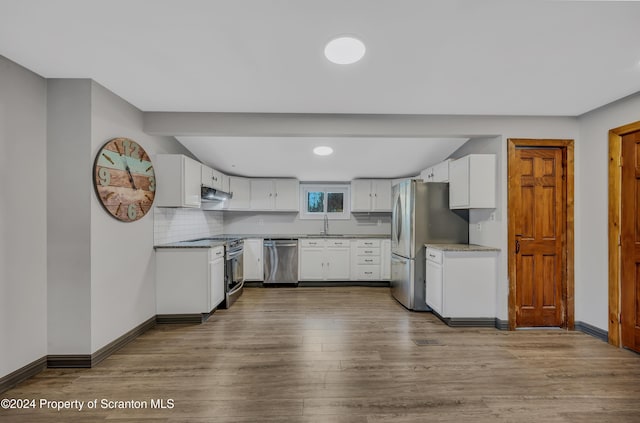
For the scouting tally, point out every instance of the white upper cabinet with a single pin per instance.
(472, 182)
(436, 173)
(427, 174)
(441, 172)
(178, 180)
(371, 195)
(274, 194)
(240, 190)
(212, 178)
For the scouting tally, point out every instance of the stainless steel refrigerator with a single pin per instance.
(420, 215)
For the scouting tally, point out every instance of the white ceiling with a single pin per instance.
(293, 157)
(529, 57)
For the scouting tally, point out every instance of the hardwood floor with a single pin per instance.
(345, 355)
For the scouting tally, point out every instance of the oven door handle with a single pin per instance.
(234, 254)
(236, 289)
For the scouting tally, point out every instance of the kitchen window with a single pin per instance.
(320, 199)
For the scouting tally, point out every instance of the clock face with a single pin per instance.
(124, 179)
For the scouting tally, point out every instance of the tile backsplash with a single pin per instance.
(175, 224)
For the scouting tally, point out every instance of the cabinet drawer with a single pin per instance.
(306, 242)
(434, 255)
(368, 243)
(338, 242)
(368, 272)
(369, 251)
(368, 259)
(216, 252)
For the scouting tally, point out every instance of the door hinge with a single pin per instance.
(619, 240)
(621, 161)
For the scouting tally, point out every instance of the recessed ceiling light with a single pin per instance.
(323, 150)
(344, 50)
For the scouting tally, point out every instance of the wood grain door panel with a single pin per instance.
(539, 215)
(630, 242)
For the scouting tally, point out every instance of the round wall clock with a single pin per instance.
(124, 179)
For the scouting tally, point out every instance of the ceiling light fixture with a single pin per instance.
(344, 50)
(323, 150)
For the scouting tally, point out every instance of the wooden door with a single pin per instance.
(538, 209)
(630, 242)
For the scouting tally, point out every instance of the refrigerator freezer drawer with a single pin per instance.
(402, 280)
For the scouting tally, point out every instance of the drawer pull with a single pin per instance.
(369, 261)
(368, 273)
(432, 256)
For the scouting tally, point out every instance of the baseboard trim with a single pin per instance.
(14, 378)
(470, 322)
(123, 340)
(502, 324)
(467, 322)
(172, 319)
(66, 361)
(601, 334)
(319, 284)
(86, 361)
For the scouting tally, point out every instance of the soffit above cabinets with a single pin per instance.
(353, 157)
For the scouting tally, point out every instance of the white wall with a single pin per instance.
(592, 208)
(177, 224)
(101, 273)
(23, 217)
(122, 255)
(290, 223)
(68, 216)
(489, 226)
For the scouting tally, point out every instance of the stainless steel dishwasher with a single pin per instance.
(280, 261)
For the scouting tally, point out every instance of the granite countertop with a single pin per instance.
(461, 247)
(206, 243)
(298, 236)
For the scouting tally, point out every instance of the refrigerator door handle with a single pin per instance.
(398, 222)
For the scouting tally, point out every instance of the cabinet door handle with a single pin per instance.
(517, 246)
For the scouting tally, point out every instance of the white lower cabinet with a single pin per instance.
(324, 259)
(366, 259)
(461, 284)
(253, 264)
(342, 259)
(385, 260)
(189, 280)
(216, 277)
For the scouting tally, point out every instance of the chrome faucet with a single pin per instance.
(326, 225)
